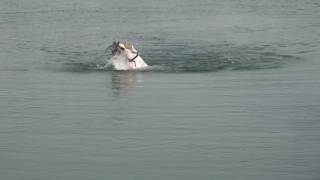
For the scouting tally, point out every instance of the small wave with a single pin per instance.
(12, 68)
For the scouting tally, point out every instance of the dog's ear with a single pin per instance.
(133, 49)
(128, 45)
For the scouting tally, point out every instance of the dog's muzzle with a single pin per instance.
(113, 48)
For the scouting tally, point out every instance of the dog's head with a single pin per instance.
(126, 49)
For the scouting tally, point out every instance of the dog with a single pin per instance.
(126, 57)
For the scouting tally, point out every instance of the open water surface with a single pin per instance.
(233, 92)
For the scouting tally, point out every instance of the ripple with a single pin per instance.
(175, 58)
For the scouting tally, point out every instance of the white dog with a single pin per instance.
(126, 57)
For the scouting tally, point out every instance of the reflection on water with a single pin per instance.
(124, 88)
(125, 81)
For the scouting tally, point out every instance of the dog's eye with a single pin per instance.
(121, 48)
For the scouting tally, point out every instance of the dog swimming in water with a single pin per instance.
(126, 57)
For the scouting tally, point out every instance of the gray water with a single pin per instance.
(234, 92)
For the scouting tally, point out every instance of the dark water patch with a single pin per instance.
(193, 58)
(12, 68)
(66, 59)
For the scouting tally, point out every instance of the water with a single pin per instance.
(234, 92)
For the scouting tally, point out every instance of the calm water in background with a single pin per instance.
(235, 92)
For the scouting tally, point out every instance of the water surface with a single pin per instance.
(234, 92)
